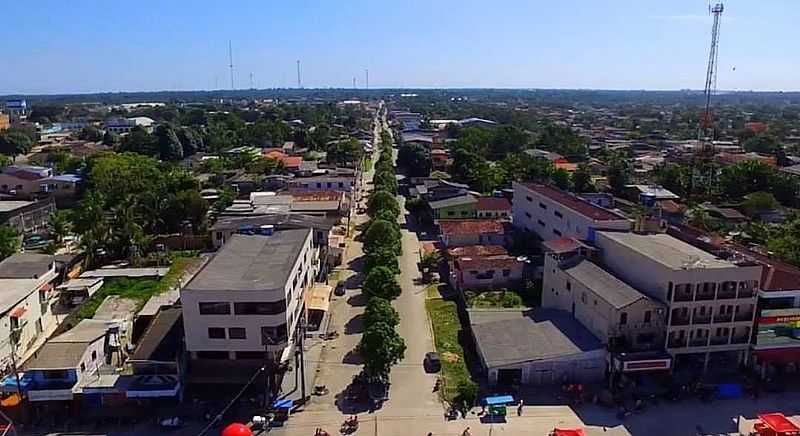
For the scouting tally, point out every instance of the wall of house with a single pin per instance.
(321, 183)
(455, 212)
(551, 220)
(587, 367)
(486, 213)
(292, 294)
(37, 323)
(481, 279)
(32, 218)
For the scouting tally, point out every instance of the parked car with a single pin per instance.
(432, 362)
(339, 290)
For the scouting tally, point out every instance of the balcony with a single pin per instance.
(723, 317)
(744, 316)
(746, 293)
(701, 319)
(726, 294)
(679, 320)
(704, 295)
(683, 296)
(676, 343)
(719, 340)
(740, 339)
(698, 342)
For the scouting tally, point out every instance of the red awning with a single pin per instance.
(778, 355)
(778, 423)
(18, 312)
(569, 432)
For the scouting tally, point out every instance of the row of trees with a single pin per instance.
(381, 345)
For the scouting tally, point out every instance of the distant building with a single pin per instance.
(125, 125)
(5, 121)
(552, 213)
(27, 216)
(457, 233)
(26, 181)
(461, 207)
(493, 207)
(16, 107)
(484, 267)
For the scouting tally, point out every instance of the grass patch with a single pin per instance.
(508, 299)
(367, 167)
(140, 290)
(446, 325)
(432, 291)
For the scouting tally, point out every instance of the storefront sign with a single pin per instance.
(778, 328)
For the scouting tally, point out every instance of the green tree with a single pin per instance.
(618, 173)
(110, 139)
(582, 179)
(786, 243)
(59, 226)
(385, 257)
(415, 158)
(759, 202)
(15, 142)
(169, 146)
(10, 241)
(382, 201)
(561, 179)
(140, 141)
(743, 178)
(381, 348)
(382, 235)
(348, 151)
(380, 310)
(90, 133)
(763, 143)
(381, 282)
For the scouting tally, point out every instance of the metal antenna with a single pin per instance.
(367, 74)
(230, 58)
(299, 83)
(354, 82)
(251, 82)
(707, 122)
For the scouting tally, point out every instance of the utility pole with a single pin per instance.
(299, 83)
(230, 59)
(302, 334)
(707, 121)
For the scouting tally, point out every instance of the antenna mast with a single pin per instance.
(230, 58)
(367, 74)
(299, 84)
(707, 119)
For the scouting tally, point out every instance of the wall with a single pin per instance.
(492, 213)
(466, 280)
(31, 218)
(38, 323)
(460, 211)
(528, 214)
(322, 183)
(587, 367)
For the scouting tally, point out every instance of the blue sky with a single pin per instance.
(54, 46)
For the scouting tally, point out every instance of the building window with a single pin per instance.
(527, 197)
(464, 212)
(215, 355)
(556, 232)
(215, 308)
(506, 272)
(528, 214)
(219, 235)
(94, 355)
(319, 185)
(541, 223)
(450, 213)
(569, 287)
(543, 206)
(647, 315)
(83, 367)
(260, 308)
(583, 298)
(558, 214)
(273, 335)
(341, 184)
(216, 333)
(623, 318)
(237, 333)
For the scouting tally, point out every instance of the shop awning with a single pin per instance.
(319, 298)
(779, 424)
(569, 432)
(18, 312)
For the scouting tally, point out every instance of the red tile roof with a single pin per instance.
(493, 203)
(562, 245)
(317, 196)
(497, 262)
(470, 227)
(477, 250)
(570, 201)
(292, 161)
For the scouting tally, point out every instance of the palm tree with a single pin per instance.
(59, 226)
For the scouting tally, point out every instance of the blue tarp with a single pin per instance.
(499, 400)
(283, 404)
(729, 390)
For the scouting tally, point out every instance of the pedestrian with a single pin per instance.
(466, 432)
(519, 408)
(430, 433)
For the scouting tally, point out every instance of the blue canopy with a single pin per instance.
(283, 404)
(499, 400)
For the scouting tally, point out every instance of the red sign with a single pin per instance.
(778, 319)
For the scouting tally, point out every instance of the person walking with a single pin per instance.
(466, 432)
(519, 408)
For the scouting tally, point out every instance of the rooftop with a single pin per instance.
(667, 250)
(574, 203)
(486, 262)
(611, 289)
(161, 341)
(562, 245)
(453, 201)
(26, 266)
(477, 250)
(283, 220)
(657, 191)
(12, 205)
(65, 351)
(251, 263)
(15, 290)
(470, 227)
(506, 337)
(493, 203)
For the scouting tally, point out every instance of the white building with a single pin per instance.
(249, 297)
(125, 125)
(552, 213)
(711, 302)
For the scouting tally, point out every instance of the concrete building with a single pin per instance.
(457, 233)
(461, 207)
(483, 267)
(493, 207)
(552, 213)
(537, 346)
(619, 315)
(249, 298)
(334, 180)
(125, 125)
(27, 216)
(711, 302)
(27, 181)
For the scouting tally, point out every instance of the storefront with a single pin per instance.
(776, 351)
